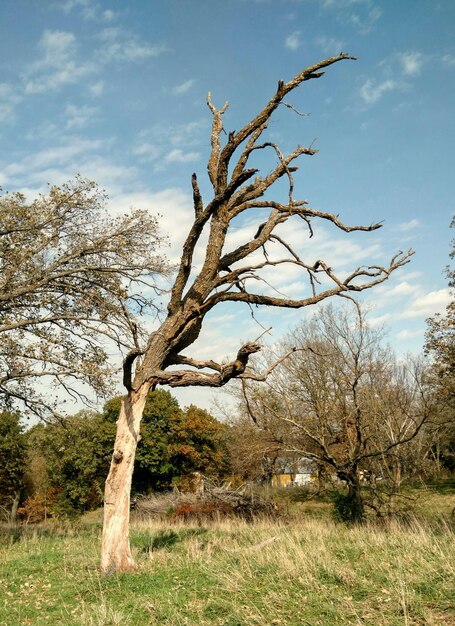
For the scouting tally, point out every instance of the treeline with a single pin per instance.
(341, 408)
(58, 469)
(344, 408)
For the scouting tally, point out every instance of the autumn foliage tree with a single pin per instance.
(228, 274)
(73, 281)
(67, 461)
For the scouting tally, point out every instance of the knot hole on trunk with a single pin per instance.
(117, 456)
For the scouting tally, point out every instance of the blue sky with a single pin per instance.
(116, 91)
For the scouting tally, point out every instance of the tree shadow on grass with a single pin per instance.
(166, 539)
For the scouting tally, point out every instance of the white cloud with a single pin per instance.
(89, 9)
(336, 4)
(174, 207)
(68, 5)
(410, 334)
(411, 225)
(6, 112)
(293, 41)
(402, 289)
(106, 173)
(58, 65)
(33, 166)
(79, 117)
(428, 304)
(62, 64)
(146, 151)
(363, 14)
(56, 45)
(109, 15)
(411, 63)
(379, 320)
(119, 45)
(9, 98)
(365, 22)
(330, 45)
(449, 60)
(174, 143)
(179, 156)
(96, 89)
(371, 92)
(183, 87)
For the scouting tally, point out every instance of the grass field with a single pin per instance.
(308, 572)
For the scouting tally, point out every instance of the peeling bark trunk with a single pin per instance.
(116, 552)
(234, 192)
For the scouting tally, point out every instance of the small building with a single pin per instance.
(292, 473)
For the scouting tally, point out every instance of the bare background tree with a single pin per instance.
(226, 275)
(72, 283)
(440, 346)
(343, 401)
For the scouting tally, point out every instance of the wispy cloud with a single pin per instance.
(428, 304)
(362, 14)
(109, 15)
(365, 22)
(411, 225)
(405, 288)
(147, 151)
(293, 41)
(79, 117)
(184, 87)
(89, 9)
(170, 143)
(120, 45)
(96, 89)
(180, 156)
(61, 62)
(449, 60)
(58, 64)
(68, 5)
(33, 165)
(371, 91)
(411, 63)
(410, 334)
(9, 98)
(330, 45)
(174, 207)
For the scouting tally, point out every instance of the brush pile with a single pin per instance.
(214, 501)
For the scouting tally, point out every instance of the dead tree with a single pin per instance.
(225, 276)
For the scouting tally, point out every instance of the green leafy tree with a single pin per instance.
(13, 464)
(174, 442)
(76, 454)
(152, 469)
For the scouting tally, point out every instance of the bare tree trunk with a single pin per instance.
(356, 500)
(13, 513)
(355, 511)
(225, 275)
(396, 486)
(116, 551)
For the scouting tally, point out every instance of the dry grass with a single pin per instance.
(237, 574)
